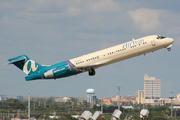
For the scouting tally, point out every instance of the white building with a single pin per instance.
(152, 90)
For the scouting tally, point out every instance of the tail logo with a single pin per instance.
(33, 67)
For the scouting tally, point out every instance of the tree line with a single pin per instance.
(42, 108)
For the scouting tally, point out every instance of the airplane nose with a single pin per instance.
(171, 40)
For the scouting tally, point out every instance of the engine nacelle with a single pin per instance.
(49, 74)
(57, 72)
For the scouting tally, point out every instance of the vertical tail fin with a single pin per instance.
(25, 64)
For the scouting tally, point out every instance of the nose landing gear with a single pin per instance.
(169, 49)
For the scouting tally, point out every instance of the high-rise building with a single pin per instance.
(152, 89)
(140, 97)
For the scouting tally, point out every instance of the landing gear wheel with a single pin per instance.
(92, 72)
(169, 49)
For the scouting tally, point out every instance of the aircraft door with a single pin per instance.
(153, 42)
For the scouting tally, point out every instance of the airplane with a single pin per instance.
(92, 61)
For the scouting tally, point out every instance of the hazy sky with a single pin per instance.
(51, 31)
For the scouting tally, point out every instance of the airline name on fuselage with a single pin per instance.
(59, 70)
(133, 43)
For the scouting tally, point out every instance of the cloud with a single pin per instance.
(5, 18)
(146, 20)
(38, 16)
(73, 11)
(71, 8)
(106, 6)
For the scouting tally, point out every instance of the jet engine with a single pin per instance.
(57, 72)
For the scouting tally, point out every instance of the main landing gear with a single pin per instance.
(169, 49)
(92, 72)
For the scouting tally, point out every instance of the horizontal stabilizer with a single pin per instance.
(16, 59)
(21, 60)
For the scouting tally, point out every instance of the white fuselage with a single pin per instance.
(123, 51)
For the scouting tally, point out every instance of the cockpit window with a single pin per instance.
(160, 37)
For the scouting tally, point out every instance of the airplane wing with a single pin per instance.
(88, 67)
